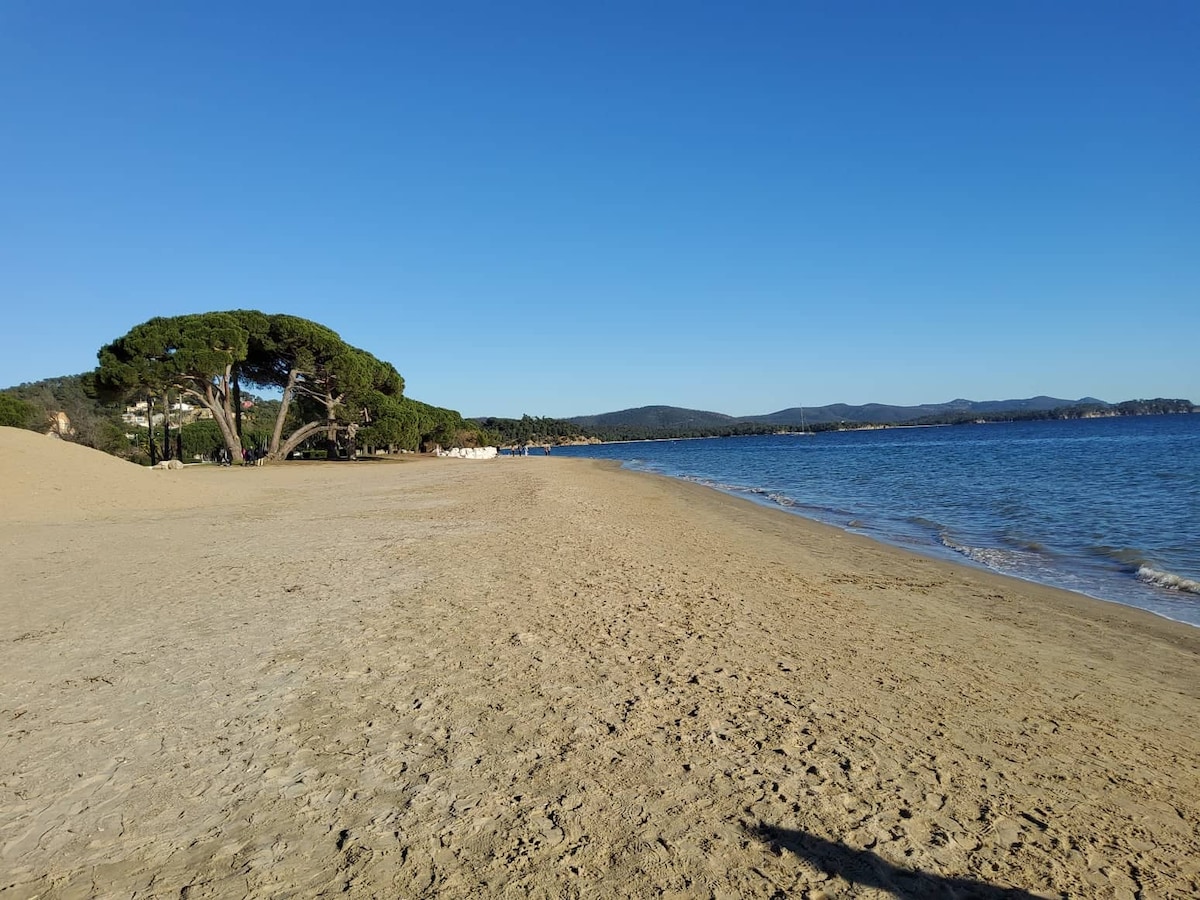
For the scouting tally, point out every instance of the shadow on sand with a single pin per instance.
(871, 870)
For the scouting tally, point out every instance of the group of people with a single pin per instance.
(523, 450)
(250, 457)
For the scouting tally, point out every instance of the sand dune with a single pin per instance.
(551, 678)
(46, 479)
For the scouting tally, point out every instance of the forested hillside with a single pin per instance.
(670, 421)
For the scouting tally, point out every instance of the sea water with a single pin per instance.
(1105, 507)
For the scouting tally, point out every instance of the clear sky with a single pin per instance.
(571, 208)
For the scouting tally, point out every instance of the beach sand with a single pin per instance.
(545, 677)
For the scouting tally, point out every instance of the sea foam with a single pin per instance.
(1167, 580)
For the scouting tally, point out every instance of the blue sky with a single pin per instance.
(565, 209)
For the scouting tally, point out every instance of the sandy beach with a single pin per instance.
(544, 677)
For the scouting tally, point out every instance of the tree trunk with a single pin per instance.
(166, 424)
(277, 435)
(217, 401)
(150, 427)
(298, 437)
(237, 404)
(331, 451)
(331, 428)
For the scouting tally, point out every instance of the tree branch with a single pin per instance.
(298, 437)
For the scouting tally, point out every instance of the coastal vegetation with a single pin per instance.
(333, 398)
(671, 422)
(63, 406)
(536, 430)
(17, 413)
(665, 422)
(329, 387)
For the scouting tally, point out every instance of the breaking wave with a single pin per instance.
(1167, 580)
(992, 557)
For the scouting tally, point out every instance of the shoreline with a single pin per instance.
(1056, 552)
(449, 678)
(1112, 611)
(950, 556)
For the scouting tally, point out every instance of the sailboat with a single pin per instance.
(804, 430)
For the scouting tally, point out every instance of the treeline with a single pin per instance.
(739, 429)
(1156, 407)
(335, 398)
(63, 406)
(538, 430)
(1077, 411)
(534, 430)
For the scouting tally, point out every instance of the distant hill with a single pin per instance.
(661, 422)
(656, 417)
(880, 414)
(868, 414)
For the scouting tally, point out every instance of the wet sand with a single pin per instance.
(551, 678)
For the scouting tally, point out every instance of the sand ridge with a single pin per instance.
(44, 479)
(547, 677)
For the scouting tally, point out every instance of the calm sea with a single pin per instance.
(1104, 507)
